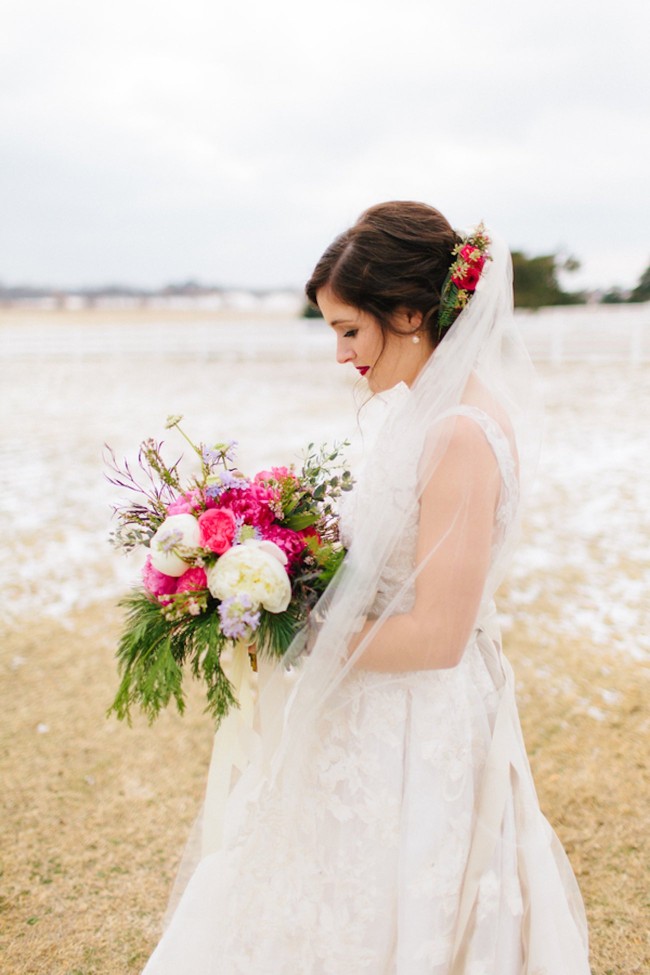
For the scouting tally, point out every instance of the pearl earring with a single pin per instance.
(415, 340)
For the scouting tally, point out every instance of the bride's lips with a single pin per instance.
(362, 369)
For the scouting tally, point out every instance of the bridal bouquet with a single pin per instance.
(231, 559)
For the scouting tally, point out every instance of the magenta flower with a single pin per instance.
(252, 505)
(292, 543)
(192, 580)
(217, 527)
(189, 503)
(157, 583)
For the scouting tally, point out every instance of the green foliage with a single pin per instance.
(642, 290)
(536, 283)
(615, 296)
(277, 630)
(328, 558)
(324, 469)
(451, 307)
(151, 655)
(470, 255)
(163, 638)
(311, 311)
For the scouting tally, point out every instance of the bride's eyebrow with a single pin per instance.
(343, 321)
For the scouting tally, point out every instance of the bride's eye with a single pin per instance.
(351, 334)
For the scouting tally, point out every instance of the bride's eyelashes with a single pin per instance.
(351, 334)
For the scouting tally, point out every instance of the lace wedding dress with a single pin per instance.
(414, 843)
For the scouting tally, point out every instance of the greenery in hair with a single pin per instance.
(470, 254)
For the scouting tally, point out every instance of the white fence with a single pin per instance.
(588, 332)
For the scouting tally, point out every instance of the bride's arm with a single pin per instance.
(453, 555)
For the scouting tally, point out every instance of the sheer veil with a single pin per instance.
(481, 361)
(480, 369)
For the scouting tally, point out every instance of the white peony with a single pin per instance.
(177, 531)
(255, 568)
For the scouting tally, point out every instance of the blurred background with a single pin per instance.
(170, 175)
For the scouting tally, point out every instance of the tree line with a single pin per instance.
(536, 283)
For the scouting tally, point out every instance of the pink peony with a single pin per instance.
(189, 503)
(262, 477)
(180, 507)
(290, 542)
(217, 527)
(275, 474)
(157, 583)
(251, 505)
(265, 493)
(193, 580)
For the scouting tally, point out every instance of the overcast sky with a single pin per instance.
(145, 142)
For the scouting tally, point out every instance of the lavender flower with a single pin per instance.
(170, 540)
(239, 617)
(224, 481)
(228, 450)
(221, 453)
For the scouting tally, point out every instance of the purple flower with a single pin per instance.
(227, 482)
(230, 450)
(220, 453)
(169, 541)
(239, 617)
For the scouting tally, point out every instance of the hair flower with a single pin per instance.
(463, 277)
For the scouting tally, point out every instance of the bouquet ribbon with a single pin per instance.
(232, 746)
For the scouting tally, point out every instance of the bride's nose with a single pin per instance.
(344, 351)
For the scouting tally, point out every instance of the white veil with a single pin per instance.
(480, 364)
(483, 345)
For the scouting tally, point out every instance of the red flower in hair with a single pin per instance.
(466, 275)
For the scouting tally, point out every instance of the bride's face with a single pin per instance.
(384, 358)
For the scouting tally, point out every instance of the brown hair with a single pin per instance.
(395, 257)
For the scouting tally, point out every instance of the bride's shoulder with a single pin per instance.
(463, 442)
(467, 444)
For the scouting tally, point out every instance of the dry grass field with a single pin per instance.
(94, 815)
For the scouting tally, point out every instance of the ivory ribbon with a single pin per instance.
(496, 783)
(232, 746)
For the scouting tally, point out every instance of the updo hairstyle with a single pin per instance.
(395, 258)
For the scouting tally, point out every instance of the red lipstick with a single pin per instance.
(362, 369)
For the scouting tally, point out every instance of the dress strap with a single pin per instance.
(503, 452)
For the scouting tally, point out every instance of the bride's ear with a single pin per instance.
(414, 319)
(407, 320)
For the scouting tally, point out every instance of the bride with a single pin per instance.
(383, 819)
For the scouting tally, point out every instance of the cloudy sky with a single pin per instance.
(146, 142)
